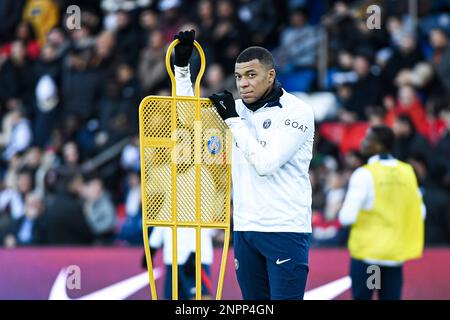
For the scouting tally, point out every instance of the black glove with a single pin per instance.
(183, 50)
(224, 103)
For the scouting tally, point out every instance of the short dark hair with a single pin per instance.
(385, 136)
(260, 53)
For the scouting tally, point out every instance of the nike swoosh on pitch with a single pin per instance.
(330, 290)
(116, 291)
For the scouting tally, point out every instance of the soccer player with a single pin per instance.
(273, 135)
(385, 210)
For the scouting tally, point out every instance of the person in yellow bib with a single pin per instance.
(384, 207)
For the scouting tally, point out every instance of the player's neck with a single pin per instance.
(271, 97)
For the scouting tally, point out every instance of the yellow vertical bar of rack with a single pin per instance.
(173, 170)
(223, 263)
(148, 257)
(149, 264)
(198, 233)
(198, 168)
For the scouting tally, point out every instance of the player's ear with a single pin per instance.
(272, 75)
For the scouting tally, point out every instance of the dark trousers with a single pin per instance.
(391, 281)
(271, 265)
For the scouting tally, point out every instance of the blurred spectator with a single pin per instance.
(81, 85)
(130, 157)
(404, 57)
(64, 222)
(70, 157)
(420, 76)
(48, 161)
(436, 125)
(32, 160)
(259, 18)
(436, 199)
(318, 195)
(364, 93)
(81, 38)
(343, 73)
(441, 56)
(376, 115)
(352, 161)
(10, 14)
(152, 67)
(441, 154)
(122, 117)
(149, 22)
(99, 210)
(114, 5)
(24, 33)
(12, 199)
(17, 77)
(27, 229)
(229, 35)
(104, 57)
(408, 103)
(409, 143)
(205, 20)
(11, 171)
(48, 64)
(47, 101)
(326, 204)
(334, 196)
(171, 18)
(398, 28)
(57, 39)
(298, 43)
(21, 136)
(127, 38)
(131, 230)
(323, 148)
(7, 123)
(215, 80)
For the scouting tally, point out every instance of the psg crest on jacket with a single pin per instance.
(214, 145)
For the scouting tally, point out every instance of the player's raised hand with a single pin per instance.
(183, 50)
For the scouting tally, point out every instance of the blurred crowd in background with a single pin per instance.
(69, 97)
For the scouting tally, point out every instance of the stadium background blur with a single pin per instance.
(69, 168)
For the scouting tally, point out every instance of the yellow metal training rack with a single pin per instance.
(185, 171)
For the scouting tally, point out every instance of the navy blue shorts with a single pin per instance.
(271, 265)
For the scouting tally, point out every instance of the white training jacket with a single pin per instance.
(272, 150)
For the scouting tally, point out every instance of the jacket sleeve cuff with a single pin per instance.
(182, 72)
(234, 122)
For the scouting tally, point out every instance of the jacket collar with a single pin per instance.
(272, 99)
